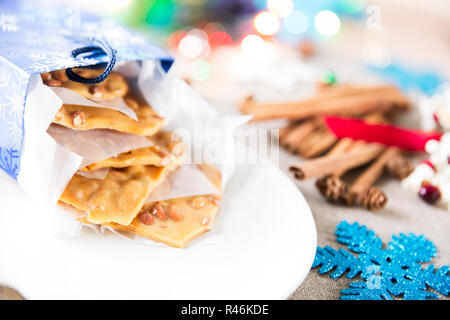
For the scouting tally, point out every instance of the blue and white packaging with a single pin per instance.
(38, 37)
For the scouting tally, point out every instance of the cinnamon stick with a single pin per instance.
(300, 146)
(348, 144)
(399, 167)
(327, 165)
(283, 132)
(349, 102)
(332, 187)
(300, 132)
(296, 147)
(374, 199)
(322, 143)
(343, 145)
(362, 191)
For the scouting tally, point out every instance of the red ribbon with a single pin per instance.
(411, 140)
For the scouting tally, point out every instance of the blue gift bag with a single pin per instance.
(37, 38)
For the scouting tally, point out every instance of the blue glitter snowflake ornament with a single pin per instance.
(394, 271)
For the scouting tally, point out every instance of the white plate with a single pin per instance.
(262, 247)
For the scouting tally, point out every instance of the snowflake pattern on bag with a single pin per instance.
(394, 271)
(13, 82)
(37, 37)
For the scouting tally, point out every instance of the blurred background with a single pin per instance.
(404, 41)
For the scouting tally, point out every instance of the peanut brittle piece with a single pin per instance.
(166, 150)
(118, 197)
(177, 221)
(152, 155)
(88, 118)
(113, 87)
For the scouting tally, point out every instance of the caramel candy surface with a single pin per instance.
(149, 122)
(180, 222)
(113, 87)
(165, 152)
(117, 198)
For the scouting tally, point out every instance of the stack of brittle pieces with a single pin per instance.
(120, 199)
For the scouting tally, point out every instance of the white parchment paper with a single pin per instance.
(46, 167)
(50, 160)
(185, 181)
(71, 97)
(191, 117)
(96, 145)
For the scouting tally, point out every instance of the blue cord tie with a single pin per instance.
(101, 47)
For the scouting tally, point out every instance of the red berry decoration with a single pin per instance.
(429, 193)
(436, 118)
(429, 163)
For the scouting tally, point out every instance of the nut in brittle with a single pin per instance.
(78, 119)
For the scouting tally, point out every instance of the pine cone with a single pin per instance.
(374, 199)
(331, 187)
(399, 167)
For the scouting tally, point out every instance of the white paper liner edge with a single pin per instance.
(71, 97)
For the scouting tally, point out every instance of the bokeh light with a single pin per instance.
(266, 23)
(200, 70)
(351, 6)
(280, 8)
(199, 33)
(120, 4)
(175, 38)
(252, 45)
(297, 22)
(376, 55)
(220, 38)
(212, 27)
(329, 77)
(327, 23)
(192, 46)
(161, 13)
